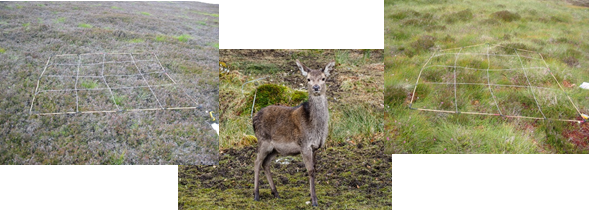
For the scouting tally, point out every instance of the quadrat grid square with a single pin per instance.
(106, 82)
(492, 80)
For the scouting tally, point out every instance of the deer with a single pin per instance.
(290, 131)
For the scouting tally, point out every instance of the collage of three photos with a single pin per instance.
(145, 83)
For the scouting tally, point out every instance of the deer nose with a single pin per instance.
(316, 87)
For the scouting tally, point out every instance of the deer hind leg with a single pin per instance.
(309, 159)
(263, 151)
(266, 166)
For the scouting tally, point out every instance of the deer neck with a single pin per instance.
(318, 110)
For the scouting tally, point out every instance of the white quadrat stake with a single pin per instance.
(110, 89)
(488, 83)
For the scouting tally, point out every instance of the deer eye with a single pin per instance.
(323, 79)
(309, 80)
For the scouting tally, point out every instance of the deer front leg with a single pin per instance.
(309, 160)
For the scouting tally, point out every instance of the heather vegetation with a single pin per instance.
(32, 32)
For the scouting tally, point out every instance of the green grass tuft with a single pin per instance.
(84, 25)
(115, 7)
(355, 121)
(160, 38)
(137, 40)
(145, 13)
(395, 95)
(184, 37)
(60, 20)
(118, 99)
(2, 50)
(89, 84)
(207, 14)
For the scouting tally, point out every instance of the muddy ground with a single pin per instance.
(352, 170)
(348, 177)
(184, 36)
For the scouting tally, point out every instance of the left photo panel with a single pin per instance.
(112, 83)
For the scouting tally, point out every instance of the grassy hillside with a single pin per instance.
(414, 30)
(183, 35)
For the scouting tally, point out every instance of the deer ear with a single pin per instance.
(303, 68)
(328, 68)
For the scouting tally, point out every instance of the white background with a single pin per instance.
(302, 24)
(88, 187)
(494, 182)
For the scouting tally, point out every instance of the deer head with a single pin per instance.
(316, 78)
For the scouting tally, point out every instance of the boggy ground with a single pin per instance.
(414, 30)
(352, 170)
(348, 177)
(183, 35)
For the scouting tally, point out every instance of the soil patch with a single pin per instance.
(362, 170)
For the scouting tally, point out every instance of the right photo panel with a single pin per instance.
(489, 77)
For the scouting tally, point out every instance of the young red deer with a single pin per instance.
(292, 130)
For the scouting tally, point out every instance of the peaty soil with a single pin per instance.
(348, 176)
